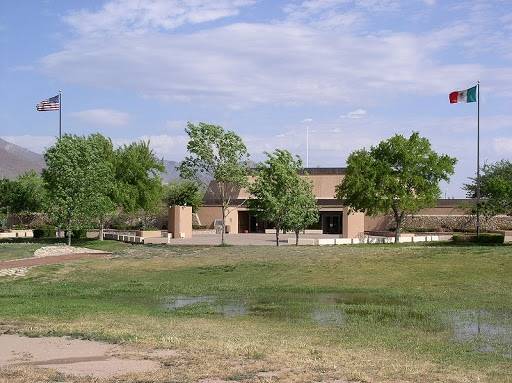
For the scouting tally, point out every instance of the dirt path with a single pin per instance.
(50, 260)
(77, 357)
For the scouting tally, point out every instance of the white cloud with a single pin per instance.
(102, 117)
(121, 16)
(307, 120)
(503, 145)
(242, 64)
(358, 113)
(176, 124)
(339, 15)
(169, 147)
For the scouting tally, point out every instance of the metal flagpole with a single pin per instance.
(307, 146)
(60, 114)
(478, 162)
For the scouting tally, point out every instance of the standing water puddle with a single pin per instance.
(181, 301)
(489, 332)
(328, 316)
(233, 309)
(230, 308)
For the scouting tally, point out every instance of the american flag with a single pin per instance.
(53, 103)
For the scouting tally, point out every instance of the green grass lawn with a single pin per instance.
(24, 247)
(369, 313)
(17, 250)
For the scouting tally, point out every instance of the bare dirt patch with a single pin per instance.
(75, 357)
(50, 260)
(48, 255)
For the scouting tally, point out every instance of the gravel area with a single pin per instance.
(47, 255)
(14, 272)
(51, 251)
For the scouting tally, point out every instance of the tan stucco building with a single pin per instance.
(334, 217)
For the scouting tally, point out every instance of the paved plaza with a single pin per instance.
(257, 239)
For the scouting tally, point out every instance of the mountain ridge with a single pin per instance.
(16, 160)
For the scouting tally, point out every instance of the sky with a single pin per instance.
(352, 72)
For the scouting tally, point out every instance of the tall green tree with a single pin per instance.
(302, 208)
(105, 204)
(275, 188)
(78, 180)
(24, 194)
(138, 185)
(184, 193)
(399, 176)
(495, 189)
(220, 155)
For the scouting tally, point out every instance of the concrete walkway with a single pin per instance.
(257, 239)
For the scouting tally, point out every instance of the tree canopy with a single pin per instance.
(184, 193)
(277, 188)
(24, 194)
(79, 180)
(220, 155)
(399, 176)
(303, 209)
(138, 185)
(495, 188)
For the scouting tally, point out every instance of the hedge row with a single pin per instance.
(484, 238)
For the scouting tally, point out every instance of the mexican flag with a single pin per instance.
(468, 95)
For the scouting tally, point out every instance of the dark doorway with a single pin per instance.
(331, 223)
(243, 221)
(256, 225)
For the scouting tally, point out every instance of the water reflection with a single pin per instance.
(181, 301)
(328, 316)
(230, 308)
(490, 332)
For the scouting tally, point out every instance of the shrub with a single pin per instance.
(79, 234)
(484, 238)
(44, 232)
(411, 229)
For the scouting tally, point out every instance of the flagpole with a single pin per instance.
(307, 146)
(60, 114)
(478, 162)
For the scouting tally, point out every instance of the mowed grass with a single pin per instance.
(18, 248)
(368, 313)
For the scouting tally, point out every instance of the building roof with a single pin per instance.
(324, 171)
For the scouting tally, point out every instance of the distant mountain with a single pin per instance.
(15, 160)
(170, 174)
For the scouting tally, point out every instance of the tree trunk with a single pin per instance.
(102, 226)
(397, 233)
(296, 237)
(223, 224)
(277, 235)
(398, 221)
(69, 233)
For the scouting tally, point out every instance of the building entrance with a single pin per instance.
(331, 223)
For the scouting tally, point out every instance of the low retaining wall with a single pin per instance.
(17, 234)
(440, 223)
(367, 239)
(132, 237)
